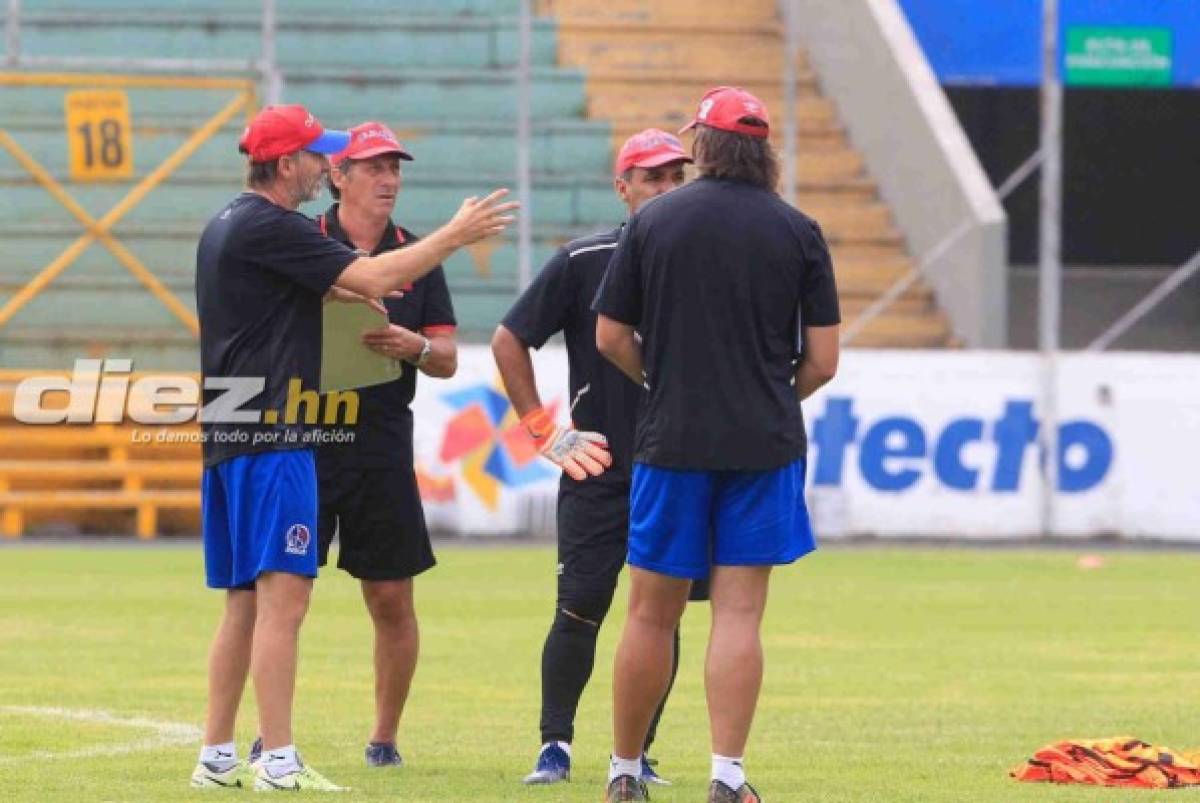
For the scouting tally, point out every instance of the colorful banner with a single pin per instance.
(902, 443)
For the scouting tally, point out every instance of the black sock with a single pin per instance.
(567, 661)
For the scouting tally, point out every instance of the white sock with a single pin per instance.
(728, 771)
(618, 766)
(281, 760)
(222, 756)
(564, 746)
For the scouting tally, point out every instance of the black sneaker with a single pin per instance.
(383, 754)
(626, 787)
(718, 792)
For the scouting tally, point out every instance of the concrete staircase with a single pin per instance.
(647, 62)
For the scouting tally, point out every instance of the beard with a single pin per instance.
(306, 188)
(311, 190)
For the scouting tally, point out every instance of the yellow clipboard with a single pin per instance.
(345, 362)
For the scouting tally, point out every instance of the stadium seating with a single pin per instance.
(440, 73)
(95, 475)
(648, 61)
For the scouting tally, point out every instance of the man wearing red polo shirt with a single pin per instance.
(262, 270)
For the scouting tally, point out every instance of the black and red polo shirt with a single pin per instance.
(383, 435)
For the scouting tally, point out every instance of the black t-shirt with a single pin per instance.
(560, 300)
(719, 277)
(261, 271)
(383, 433)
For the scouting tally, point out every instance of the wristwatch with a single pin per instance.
(426, 350)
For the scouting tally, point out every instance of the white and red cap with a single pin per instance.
(650, 148)
(731, 108)
(279, 130)
(371, 139)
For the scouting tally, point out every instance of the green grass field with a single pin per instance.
(892, 675)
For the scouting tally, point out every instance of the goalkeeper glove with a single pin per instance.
(579, 454)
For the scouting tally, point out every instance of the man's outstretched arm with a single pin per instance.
(476, 219)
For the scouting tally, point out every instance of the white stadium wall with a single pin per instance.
(902, 444)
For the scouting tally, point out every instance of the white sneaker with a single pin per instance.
(208, 776)
(299, 779)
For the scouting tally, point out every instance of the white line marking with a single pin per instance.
(166, 734)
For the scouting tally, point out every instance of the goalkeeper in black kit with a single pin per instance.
(593, 511)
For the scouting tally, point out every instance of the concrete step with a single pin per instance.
(868, 274)
(623, 46)
(671, 91)
(896, 330)
(630, 108)
(812, 131)
(382, 40)
(917, 304)
(744, 13)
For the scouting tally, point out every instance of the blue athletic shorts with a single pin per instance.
(259, 514)
(682, 522)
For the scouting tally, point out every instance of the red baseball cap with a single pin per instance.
(279, 130)
(726, 107)
(650, 148)
(371, 139)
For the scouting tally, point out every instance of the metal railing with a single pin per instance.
(524, 80)
(789, 14)
(100, 230)
(266, 71)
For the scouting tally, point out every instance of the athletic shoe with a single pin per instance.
(255, 751)
(303, 778)
(649, 775)
(719, 792)
(626, 788)
(383, 754)
(553, 765)
(210, 776)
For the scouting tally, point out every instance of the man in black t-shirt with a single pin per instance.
(720, 298)
(368, 485)
(262, 270)
(593, 515)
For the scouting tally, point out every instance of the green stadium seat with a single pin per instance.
(438, 71)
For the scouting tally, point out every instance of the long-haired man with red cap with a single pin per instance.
(593, 513)
(720, 298)
(262, 271)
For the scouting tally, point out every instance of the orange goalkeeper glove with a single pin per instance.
(579, 454)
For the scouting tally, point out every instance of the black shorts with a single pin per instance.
(378, 518)
(593, 541)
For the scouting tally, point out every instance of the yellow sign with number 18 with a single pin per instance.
(98, 135)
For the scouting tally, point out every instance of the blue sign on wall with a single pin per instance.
(998, 42)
